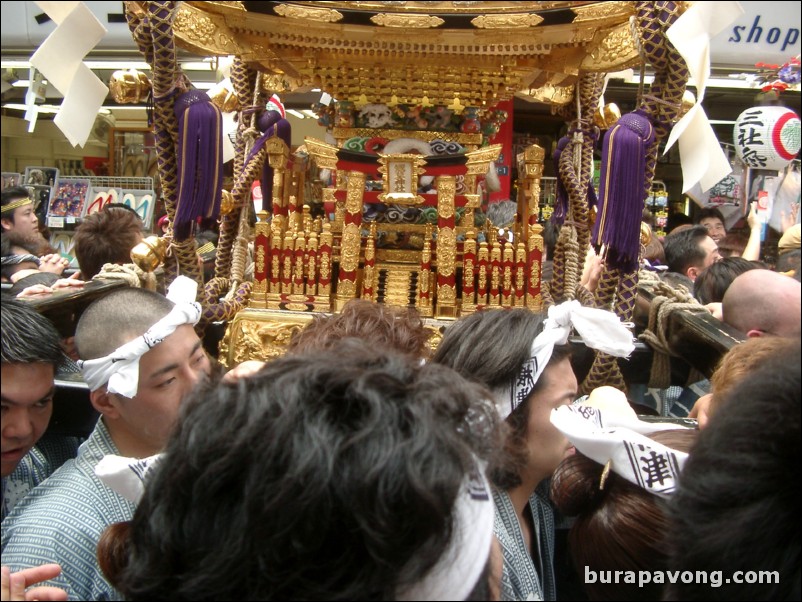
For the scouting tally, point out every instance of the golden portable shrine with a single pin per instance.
(398, 220)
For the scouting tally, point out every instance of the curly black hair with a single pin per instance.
(325, 476)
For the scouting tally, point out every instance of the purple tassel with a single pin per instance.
(622, 189)
(200, 161)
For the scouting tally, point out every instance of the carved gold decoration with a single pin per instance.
(446, 189)
(321, 15)
(346, 290)
(548, 93)
(356, 192)
(446, 295)
(617, 50)
(506, 21)
(324, 153)
(480, 159)
(202, 33)
(257, 334)
(260, 259)
(351, 240)
(407, 21)
(446, 251)
(129, 86)
(278, 152)
(227, 203)
(603, 10)
(469, 140)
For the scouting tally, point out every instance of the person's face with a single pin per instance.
(25, 222)
(167, 373)
(27, 403)
(714, 228)
(547, 445)
(710, 248)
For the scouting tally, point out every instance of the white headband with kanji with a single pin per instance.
(598, 329)
(620, 441)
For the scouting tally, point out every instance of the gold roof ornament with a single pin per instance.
(443, 53)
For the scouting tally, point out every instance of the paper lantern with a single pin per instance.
(767, 137)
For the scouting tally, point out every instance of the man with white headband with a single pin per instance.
(523, 358)
(344, 474)
(140, 357)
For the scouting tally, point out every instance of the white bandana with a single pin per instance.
(598, 329)
(456, 573)
(120, 369)
(621, 441)
(126, 476)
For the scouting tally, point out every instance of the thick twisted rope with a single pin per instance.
(244, 81)
(129, 273)
(662, 105)
(575, 171)
(667, 300)
(167, 83)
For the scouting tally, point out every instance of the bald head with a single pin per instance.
(761, 302)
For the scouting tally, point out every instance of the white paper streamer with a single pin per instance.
(703, 161)
(633, 456)
(60, 59)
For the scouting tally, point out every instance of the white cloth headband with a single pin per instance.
(633, 456)
(126, 476)
(598, 329)
(120, 369)
(456, 573)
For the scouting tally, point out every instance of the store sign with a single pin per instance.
(765, 33)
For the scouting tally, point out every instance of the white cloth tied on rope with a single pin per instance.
(599, 329)
(120, 369)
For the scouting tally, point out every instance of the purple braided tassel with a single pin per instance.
(200, 161)
(622, 190)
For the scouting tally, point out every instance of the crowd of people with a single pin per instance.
(367, 463)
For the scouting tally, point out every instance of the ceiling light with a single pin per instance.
(295, 113)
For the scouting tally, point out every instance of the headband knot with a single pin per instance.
(120, 369)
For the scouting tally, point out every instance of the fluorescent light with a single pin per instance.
(21, 83)
(295, 113)
(310, 114)
(204, 85)
(198, 66)
(15, 64)
(113, 65)
(39, 108)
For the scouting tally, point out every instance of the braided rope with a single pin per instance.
(216, 310)
(667, 300)
(575, 171)
(130, 273)
(557, 284)
(167, 81)
(244, 79)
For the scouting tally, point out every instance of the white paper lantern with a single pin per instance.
(767, 137)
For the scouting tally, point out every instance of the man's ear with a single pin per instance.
(104, 402)
(754, 333)
(6, 223)
(693, 273)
